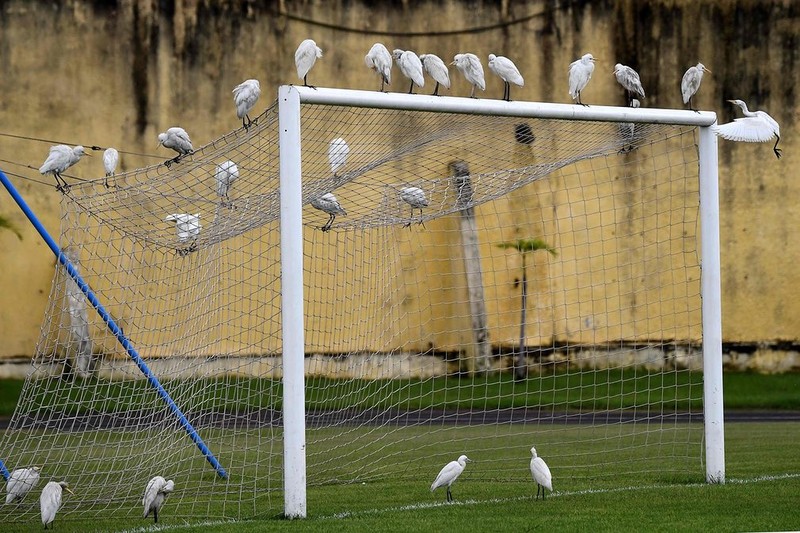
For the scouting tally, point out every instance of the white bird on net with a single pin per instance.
(304, 58)
(541, 474)
(470, 66)
(245, 96)
(110, 162)
(328, 203)
(415, 197)
(437, 70)
(338, 150)
(177, 139)
(629, 79)
(691, 83)
(225, 174)
(411, 67)
(188, 228)
(60, 158)
(21, 482)
(580, 72)
(380, 60)
(50, 500)
(754, 127)
(449, 474)
(80, 333)
(508, 72)
(154, 495)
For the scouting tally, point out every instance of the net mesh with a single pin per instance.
(416, 327)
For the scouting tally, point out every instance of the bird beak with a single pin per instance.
(731, 101)
(707, 70)
(67, 489)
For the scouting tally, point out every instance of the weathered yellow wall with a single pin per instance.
(80, 72)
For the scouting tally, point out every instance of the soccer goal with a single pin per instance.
(383, 283)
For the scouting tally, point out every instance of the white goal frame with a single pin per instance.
(289, 100)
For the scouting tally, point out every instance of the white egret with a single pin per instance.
(60, 158)
(580, 72)
(328, 203)
(508, 72)
(21, 482)
(437, 70)
(50, 500)
(754, 127)
(629, 79)
(415, 197)
(380, 60)
(304, 58)
(154, 495)
(176, 139)
(245, 96)
(411, 67)
(226, 173)
(691, 83)
(449, 474)
(337, 154)
(110, 162)
(188, 228)
(541, 474)
(470, 66)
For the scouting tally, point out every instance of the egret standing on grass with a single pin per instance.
(437, 70)
(754, 127)
(188, 228)
(337, 154)
(449, 474)
(154, 495)
(580, 72)
(380, 60)
(691, 83)
(328, 203)
(470, 66)
(629, 79)
(110, 161)
(226, 173)
(415, 197)
(411, 67)
(508, 72)
(50, 500)
(245, 96)
(176, 139)
(60, 158)
(304, 58)
(21, 482)
(541, 474)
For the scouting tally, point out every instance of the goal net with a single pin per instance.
(473, 284)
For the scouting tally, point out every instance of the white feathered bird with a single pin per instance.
(50, 500)
(188, 228)
(580, 72)
(154, 495)
(415, 197)
(541, 474)
(245, 96)
(380, 60)
(328, 203)
(630, 81)
(690, 83)
(338, 150)
(411, 67)
(449, 474)
(470, 66)
(754, 127)
(305, 56)
(437, 70)
(176, 139)
(21, 482)
(225, 174)
(110, 162)
(59, 159)
(508, 72)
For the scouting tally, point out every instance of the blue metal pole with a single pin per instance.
(4, 471)
(112, 326)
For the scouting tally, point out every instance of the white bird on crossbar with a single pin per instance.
(508, 72)
(754, 127)
(690, 83)
(580, 72)
(630, 81)
(304, 58)
(380, 60)
(411, 67)
(449, 474)
(437, 70)
(470, 66)
(155, 494)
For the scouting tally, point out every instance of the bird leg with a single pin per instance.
(328, 224)
(449, 495)
(411, 89)
(472, 94)
(155, 516)
(776, 149)
(305, 82)
(506, 91)
(436, 89)
(579, 101)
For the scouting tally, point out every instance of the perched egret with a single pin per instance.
(225, 174)
(508, 72)
(60, 158)
(415, 197)
(245, 96)
(411, 67)
(541, 474)
(177, 139)
(110, 162)
(380, 60)
(304, 58)
(580, 72)
(627, 131)
(50, 500)
(629, 79)
(21, 482)
(691, 83)
(154, 495)
(328, 204)
(437, 70)
(470, 66)
(188, 228)
(754, 127)
(337, 154)
(449, 474)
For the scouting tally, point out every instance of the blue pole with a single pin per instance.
(112, 326)
(4, 471)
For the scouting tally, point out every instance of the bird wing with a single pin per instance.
(245, 96)
(579, 76)
(747, 129)
(447, 475)
(690, 83)
(473, 71)
(305, 57)
(50, 501)
(57, 159)
(411, 67)
(541, 473)
(771, 121)
(629, 78)
(508, 71)
(154, 486)
(110, 160)
(437, 69)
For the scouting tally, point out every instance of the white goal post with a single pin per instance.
(291, 207)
